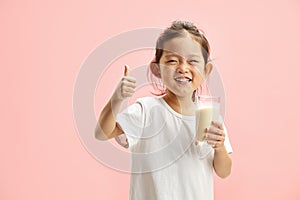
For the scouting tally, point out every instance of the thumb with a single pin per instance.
(126, 70)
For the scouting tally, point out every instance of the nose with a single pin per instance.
(182, 68)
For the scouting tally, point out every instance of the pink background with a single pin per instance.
(256, 45)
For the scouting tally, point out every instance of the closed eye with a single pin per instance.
(171, 61)
(194, 61)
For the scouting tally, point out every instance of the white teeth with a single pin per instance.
(182, 79)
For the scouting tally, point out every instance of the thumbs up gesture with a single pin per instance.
(126, 86)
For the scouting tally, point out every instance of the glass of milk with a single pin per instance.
(207, 110)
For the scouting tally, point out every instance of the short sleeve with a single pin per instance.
(131, 121)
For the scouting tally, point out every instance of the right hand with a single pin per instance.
(126, 87)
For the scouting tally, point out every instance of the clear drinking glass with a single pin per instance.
(207, 109)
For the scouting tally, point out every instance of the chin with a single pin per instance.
(183, 94)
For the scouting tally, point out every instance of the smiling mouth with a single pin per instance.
(182, 79)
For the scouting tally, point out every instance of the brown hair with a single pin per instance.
(177, 29)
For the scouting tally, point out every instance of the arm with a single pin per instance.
(222, 161)
(106, 127)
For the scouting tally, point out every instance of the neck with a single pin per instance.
(182, 105)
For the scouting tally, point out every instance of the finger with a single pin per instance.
(129, 79)
(214, 137)
(215, 130)
(126, 70)
(128, 90)
(212, 143)
(128, 84)
(215, 144)
(217, 124)
(127, 94)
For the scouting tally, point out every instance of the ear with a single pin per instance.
(155, 69)
(208, 69)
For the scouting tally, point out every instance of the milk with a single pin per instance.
(205, 114)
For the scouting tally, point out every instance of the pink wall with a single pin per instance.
(256, 45)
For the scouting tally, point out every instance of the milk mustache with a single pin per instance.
(205, 114)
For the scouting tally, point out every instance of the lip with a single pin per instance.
(182, 79)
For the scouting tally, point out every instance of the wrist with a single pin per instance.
(220, 149)
(115, 99)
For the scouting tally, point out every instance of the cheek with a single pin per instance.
(199, 69)
(198, 78)
(167, 71)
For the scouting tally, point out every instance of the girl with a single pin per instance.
(166, 160)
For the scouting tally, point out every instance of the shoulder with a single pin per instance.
(142, 106)
(149, 102)
(149, 107)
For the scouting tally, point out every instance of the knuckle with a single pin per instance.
(217, 138)
(221, 138)
(122, 85)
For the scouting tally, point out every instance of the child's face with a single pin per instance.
(182, 65)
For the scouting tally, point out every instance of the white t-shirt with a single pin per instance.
(165, 162)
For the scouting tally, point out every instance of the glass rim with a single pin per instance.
(208, 98)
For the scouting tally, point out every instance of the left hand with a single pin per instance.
(215, 135)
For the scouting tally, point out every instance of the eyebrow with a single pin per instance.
(177, 55)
